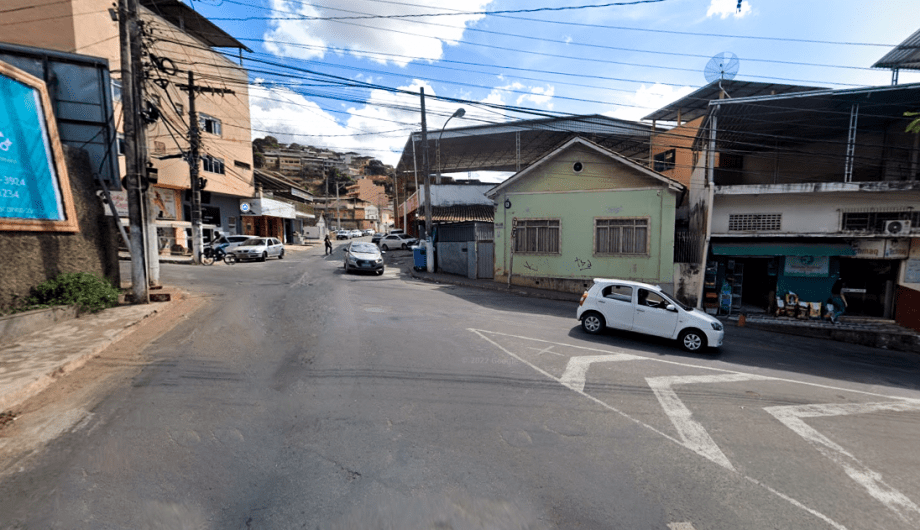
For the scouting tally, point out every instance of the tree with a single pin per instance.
(914, 126)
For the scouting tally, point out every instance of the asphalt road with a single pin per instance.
(301, 397)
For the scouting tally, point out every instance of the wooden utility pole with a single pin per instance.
(128, 31)
(194, 137)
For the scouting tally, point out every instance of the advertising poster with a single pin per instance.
(807, 266)
(28, 181)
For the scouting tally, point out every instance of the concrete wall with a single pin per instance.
(30, 258)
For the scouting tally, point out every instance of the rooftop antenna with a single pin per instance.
(722, 66)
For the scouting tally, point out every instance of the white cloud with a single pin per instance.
(422, 37)
(648, 99)
(728, 8)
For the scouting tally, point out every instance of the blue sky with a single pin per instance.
(619, 60)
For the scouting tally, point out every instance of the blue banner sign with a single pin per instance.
(29, 187)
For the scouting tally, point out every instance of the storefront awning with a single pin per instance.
(782, 249)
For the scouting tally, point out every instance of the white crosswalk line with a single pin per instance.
(792, 417)
(693, 435)
(576, 371)
(680, 526)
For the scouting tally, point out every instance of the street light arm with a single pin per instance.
(457, 114)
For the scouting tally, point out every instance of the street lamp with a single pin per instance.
(457, 114)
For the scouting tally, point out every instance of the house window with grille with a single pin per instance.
(209, 124)
(537, 236)
(621, 236)
(212, 164)
(755, 222)
(665, 160)
(874, 220)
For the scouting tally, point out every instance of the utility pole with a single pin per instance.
(338, 214)
(194, 137)
(127, 32)
(426, 170)
(429, 244)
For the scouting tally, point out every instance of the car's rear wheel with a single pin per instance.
(384, 247)
(404, 246)
(264, 256)
(281, 256)
(593, 322)
(692, 340)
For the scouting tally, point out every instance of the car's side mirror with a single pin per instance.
(670, 307)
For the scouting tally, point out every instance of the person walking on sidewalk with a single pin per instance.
(328, 244)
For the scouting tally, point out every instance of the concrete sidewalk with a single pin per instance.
(31, 363)
(867, 332)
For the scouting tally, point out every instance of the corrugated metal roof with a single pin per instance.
(461, 212)
(696, 103)
(905, 55)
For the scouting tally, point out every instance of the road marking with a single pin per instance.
(681, 526)
(792, 417)
(576, 371)
(548, 349)
(692, 432)
(482, 334)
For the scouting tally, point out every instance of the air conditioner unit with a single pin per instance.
(897, 227)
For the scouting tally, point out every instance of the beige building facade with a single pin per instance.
(178, 40)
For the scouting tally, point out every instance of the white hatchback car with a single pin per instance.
(643, 308)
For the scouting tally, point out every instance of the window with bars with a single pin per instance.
(209, 124)
(537, 236)
(755, 222)
(664, 161)
(874, 221)
(621, 236)
(212, 164)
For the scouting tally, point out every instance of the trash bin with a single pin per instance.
(421, 262)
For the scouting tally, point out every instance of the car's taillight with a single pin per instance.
(583, 298)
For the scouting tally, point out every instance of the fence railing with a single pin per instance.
(687, 247)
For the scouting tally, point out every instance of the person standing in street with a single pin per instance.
(328, 244)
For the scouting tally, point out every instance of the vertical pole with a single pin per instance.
(126, 28)
(710, 182)
(193, 155)
(152, 247)
(338, 213)
(426, 169)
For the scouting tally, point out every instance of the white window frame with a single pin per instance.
(208, 164)
(210, 124)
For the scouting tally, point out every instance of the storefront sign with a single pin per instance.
(912, 271)
(897, 248)
(34, 188)
(164, 203)
(810, 266)
(119, 199)
(303, 195)
(869, 248)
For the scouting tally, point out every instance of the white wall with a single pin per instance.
(806, 213)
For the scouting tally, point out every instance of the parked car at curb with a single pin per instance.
(343, 234)
(375, 239)
(644, 308)
(259, 248)
(362, 256)
(368, 232)
(397, 241)
(356, 233)
(228, 243)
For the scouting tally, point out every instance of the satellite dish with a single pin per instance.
(722, 66)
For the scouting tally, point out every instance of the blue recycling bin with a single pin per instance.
(421, 262)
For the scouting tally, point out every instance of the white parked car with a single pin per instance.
(355, 233)
(643, 308)
(397, 241)
(259, 248)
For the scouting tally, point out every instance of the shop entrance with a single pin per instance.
(868, 286)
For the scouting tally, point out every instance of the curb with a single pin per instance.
(80, 358)
(493, 286)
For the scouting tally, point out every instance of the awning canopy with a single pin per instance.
(754, 249)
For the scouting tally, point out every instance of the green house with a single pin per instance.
(583, 212)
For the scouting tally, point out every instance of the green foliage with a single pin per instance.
(88, 292)
(914, 126)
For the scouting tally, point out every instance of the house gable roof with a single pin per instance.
(529, 170)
